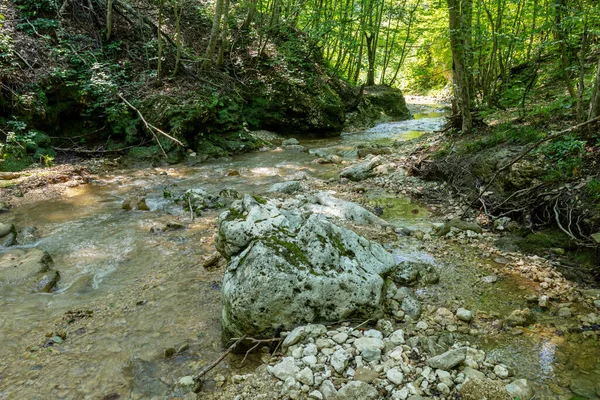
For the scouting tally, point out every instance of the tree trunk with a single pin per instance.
(109, 18)
(461, 71)
(214, 32)
(595, 102)
(250, 16)
(371, 59)
(160, 43)
(223, 40)
(177, 12)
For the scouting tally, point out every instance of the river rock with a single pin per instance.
(47, 282)
(21, 265)
(8, 235)
(460, 225)
(285, 369)
(198, 199)
(520, 389)
(365, 375)
(287, 268)
(476, 389)
(409, 272)
(363, 170)
(464, 315)
(518, 317)
(289, 187)
(357, 390)
(449, 359)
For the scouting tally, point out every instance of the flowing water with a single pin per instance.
(128, 295)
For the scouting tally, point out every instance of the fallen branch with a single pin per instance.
(218, 360)
(149, 126)
(524, 153)
(86, 151)
(256, 343)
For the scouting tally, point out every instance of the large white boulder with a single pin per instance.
(288, 268)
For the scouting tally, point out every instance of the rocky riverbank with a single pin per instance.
(513, 316)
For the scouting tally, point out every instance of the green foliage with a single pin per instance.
(593, 189)
(24, 145)
(566, 156)
(503, 134)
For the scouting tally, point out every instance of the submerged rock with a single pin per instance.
(199, 200)
(287, 268)
(8, 235)
(520, 389)
(26, 266)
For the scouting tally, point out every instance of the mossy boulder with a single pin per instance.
(378, 104)
(288, 268)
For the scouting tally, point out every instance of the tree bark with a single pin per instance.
(461, 70)
(223, 39)
(214, 32)
(595, 102)
(109, 18)
(160, 43)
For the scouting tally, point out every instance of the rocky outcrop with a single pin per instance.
(378, 104)
(287, 268)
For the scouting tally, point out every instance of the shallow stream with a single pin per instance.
(128, 295)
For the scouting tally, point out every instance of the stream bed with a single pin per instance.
(138, 311)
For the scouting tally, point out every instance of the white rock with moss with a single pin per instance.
(288, 268)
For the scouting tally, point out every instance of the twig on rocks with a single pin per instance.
(361, 324)
(218, 360)
(258, 342)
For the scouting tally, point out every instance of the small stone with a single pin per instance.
(373, 334)
(521, 389)
(501, 371)
(395, 376)
(490, 279)
(365, 375)
(311, 361)
(328, 390)
(472, 373)
(365, 343)
(443, 388)
(310, 350)
(543, 301)
(357, 390)
(464, 315)
(340, 337)
(315, 394)
(396, 354)
(449, 359)
(339, 360)
(421, 326)
(294, 337)
(397, 337)
(283, 370)
(187, 381)
(305, 376)
(370, 355)
(565, 312)
(597, 304)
